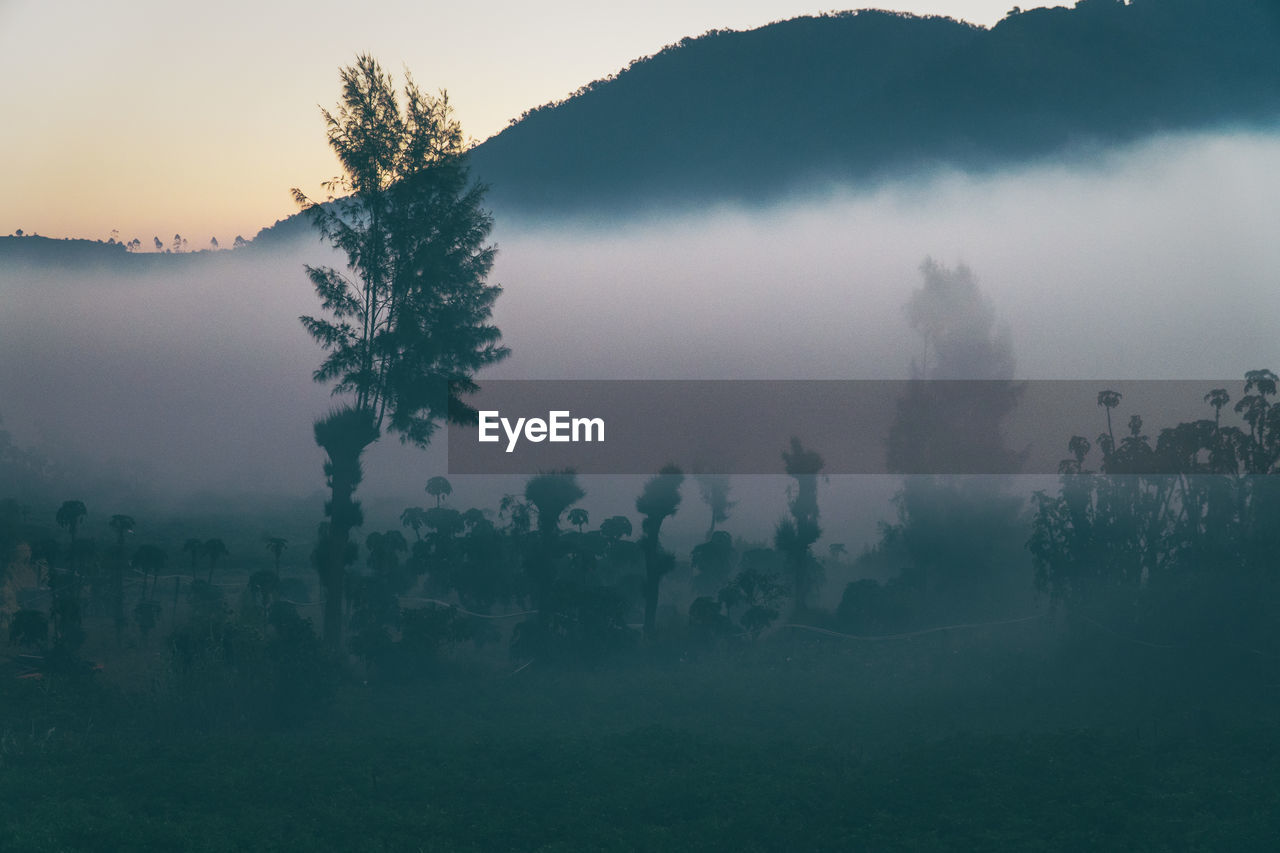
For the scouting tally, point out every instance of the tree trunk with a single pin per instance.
(344, 435)
(177, 588)
(344, 514)
(654, 568)
(652, 581)
(117, 593)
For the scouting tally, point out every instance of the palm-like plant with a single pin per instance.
(578, 517)
(715, 492)
(414, 518)
(1109, 399)
(517, 511)
(659, 500)
(264, 587)
(439, 488)
(214, 550)
(343, 434)
(69, 516)
(795, 536)
(276, 546)
(148, 559)
(1217, 398)
(194, 548)
(122, 525)
(551, 494)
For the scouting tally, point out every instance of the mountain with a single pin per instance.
(858, 96)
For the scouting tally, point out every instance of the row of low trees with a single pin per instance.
(1173, 538)
(82, 576)
(585, 586)
(177, 246)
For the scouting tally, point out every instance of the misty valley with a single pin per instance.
(246, 603)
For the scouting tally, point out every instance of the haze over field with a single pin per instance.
(766, 613)
(1154, 261)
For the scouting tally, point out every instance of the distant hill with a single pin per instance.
(35, 252)
(854, 97)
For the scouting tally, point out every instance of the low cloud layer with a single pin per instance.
(1155, 262)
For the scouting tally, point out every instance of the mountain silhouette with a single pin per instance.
(857, 97)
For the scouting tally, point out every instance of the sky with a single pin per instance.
(158, 118)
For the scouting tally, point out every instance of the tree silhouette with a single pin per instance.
(714, 489)
(578, 517)
(1109, 400)
(517, 512)
(950, 423)
(439, 488)
(149, 560)
(121, 525)
(264, 587)
(69, 515)
(195, 549)
(758, 595)
(659, 500)
(1217, 398)
(414, 518)
(615, 528)
(384, 550)
(550, 494)
(214, 550)
(944, 426)
(713, 561)
(410, 325)
(795, 536)
(276, 545)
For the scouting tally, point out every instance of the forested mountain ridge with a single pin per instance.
(852, 97)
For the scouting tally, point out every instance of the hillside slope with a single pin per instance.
(857, 96)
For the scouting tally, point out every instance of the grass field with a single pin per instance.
(936, 744)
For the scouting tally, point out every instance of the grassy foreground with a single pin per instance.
(799, 748)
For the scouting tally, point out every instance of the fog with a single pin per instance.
(1155, 261)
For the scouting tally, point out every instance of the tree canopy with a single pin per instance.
(408, 320)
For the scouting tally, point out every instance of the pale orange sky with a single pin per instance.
(160, 118)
